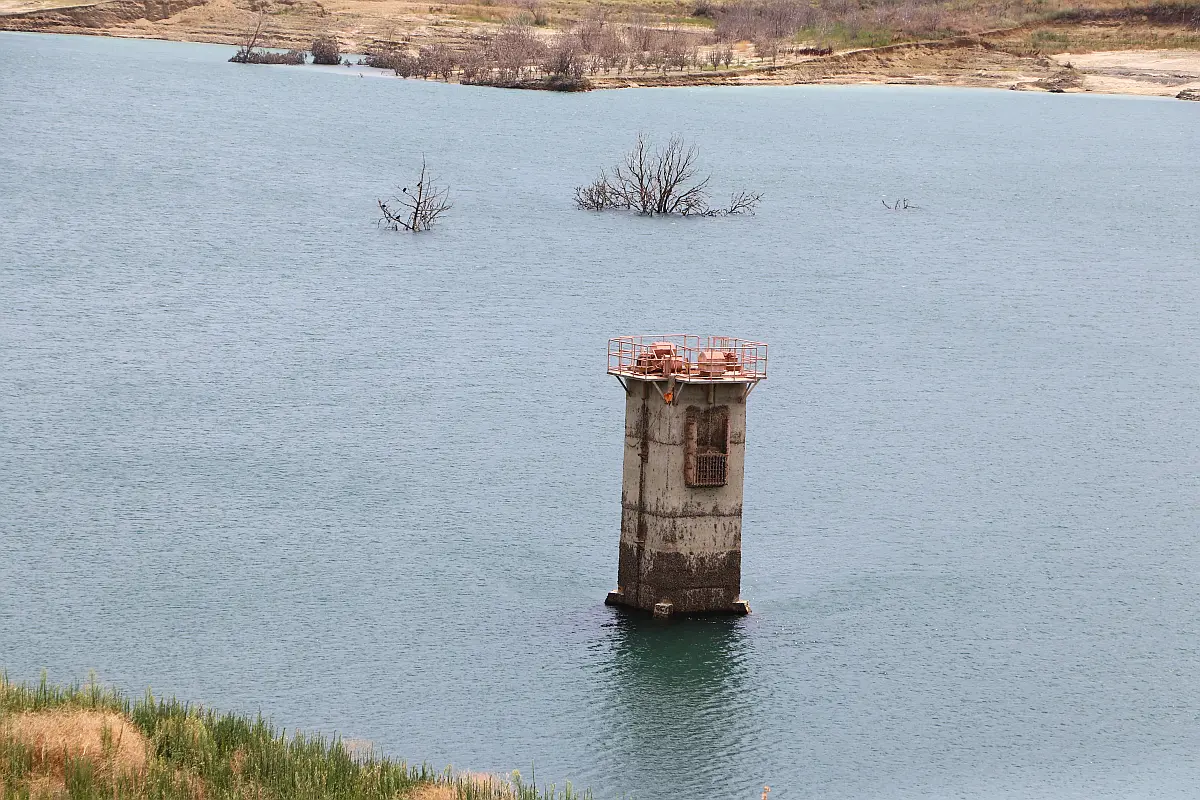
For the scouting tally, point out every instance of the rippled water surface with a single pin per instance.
(255, 452)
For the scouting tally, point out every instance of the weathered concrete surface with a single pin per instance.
(680, 545)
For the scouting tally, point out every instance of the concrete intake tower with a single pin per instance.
(681, 488)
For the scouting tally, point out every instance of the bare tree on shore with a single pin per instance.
(416, 209)
(659, 181)
(537, 13)
(565, 58)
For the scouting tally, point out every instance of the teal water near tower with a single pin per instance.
(256, 453)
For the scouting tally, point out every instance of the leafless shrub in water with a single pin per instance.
(741, 203)
(260, 56)
(415, 209)
(325, 50)
(659, 181)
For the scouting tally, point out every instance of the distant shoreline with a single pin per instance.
(964, 61)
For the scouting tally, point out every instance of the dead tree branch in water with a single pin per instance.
(899, 205)
(251, 52)
(246, 51)
(657, 182)
(743, 203)
(415, 209)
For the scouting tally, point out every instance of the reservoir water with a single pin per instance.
(257, 453)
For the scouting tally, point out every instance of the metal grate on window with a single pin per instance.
(710, 469)
(707, 442)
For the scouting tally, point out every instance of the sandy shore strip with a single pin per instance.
(1146, 72)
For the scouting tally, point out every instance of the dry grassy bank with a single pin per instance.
(91, 743)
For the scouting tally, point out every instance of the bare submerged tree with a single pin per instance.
(659, 181)
(245, 52)
(252, 51)
(415, 209)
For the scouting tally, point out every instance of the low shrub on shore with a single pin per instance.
(89, 742)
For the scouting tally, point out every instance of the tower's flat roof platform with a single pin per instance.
(687, 358)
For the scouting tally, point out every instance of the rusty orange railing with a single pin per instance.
(687, 357)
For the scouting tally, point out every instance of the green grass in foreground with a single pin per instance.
(193, 753)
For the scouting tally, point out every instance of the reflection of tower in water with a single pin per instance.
(680, 700)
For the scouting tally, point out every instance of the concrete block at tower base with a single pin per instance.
(687, 601)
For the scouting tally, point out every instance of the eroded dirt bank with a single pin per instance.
(963, 62)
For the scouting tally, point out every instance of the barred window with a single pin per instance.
(707, 436)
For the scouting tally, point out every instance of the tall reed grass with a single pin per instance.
(195, 753)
